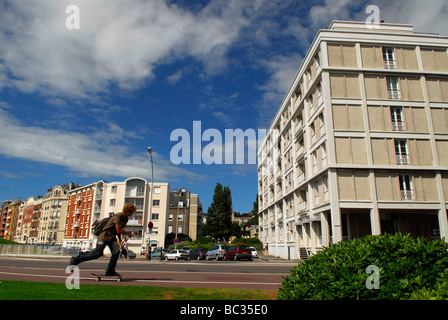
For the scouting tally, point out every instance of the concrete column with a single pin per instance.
(375, 221)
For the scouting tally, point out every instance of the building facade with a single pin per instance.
(185, 211)
(28, 220)
(12, 216)
(51, 227)
(83, 208)
(103, 199)
(138, 191)
(359, 145)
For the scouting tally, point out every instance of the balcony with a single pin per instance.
(407, 194)
(135, 222)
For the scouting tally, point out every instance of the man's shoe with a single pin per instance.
(114, 274)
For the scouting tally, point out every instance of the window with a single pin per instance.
(405, 187)
(114, 189)
(112, 202)
(314, 158)
(324, 154)
(316, 192)
(321, 124)
(396, 114)
(156, 203)
(170, 217)
(155, 216)
(156, 189)
(388, 57)
(313, 132)
(326, 194)
(180, 217)
(401, 152)
(140, 191)
(392, 88)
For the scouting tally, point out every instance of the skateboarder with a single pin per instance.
(108, 237)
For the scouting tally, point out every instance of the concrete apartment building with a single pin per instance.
(185, 211)
(138, 191)
(102, 199)
(359, 144)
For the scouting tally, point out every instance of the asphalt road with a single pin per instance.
(265, 275)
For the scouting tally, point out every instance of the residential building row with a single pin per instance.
(359, 144)
(64, 216)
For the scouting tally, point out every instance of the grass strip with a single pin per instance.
(25, 290)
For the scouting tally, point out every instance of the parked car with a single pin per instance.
(176, 255)
(159, 253)
(143, 251)
(254, 252)
(197, 254)
(187, 248)
(131, 254)
(238, 252)
(216, 252)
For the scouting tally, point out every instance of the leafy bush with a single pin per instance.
(251, 242)
(339, 271)
(439, 292)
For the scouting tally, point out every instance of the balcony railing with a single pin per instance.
(407, 194)
(394, 94)
(390, 64)
(398, 126)
(402, 159)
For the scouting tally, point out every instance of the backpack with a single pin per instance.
(99, 225)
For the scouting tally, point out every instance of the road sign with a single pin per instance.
(176, 240)
(150, 225)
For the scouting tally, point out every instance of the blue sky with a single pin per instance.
(83, 105)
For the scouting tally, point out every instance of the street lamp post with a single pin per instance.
(148, 247)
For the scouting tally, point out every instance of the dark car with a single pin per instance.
(131, 254)
(238, 252)
(197, 254)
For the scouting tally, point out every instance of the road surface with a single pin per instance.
(264, 275)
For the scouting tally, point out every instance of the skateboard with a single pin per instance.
(99, 277)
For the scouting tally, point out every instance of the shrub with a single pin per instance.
(439, 292)
(339, 271)
(251, 242)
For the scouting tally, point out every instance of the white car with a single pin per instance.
(254, 252)
(176, 255)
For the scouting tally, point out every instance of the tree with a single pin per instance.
(219, 215)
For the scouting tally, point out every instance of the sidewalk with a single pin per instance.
(267, 257)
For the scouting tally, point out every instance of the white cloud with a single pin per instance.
(102, 153)
(282, 70)
(118, 44)
(174, 77)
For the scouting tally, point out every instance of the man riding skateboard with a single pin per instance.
(108, 237)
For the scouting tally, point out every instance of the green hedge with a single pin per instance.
(251, 242)
(406, 265)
